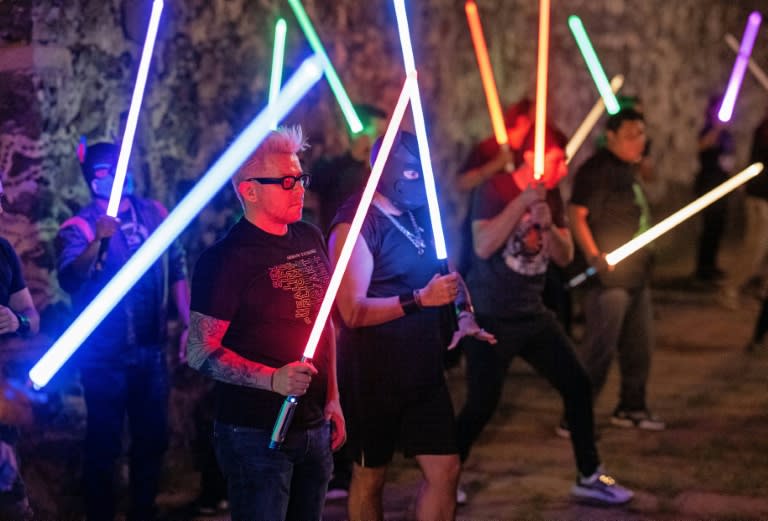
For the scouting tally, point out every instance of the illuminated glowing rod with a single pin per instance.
(133, 113)
(486, 74)
(652, 233)
(739, 67)
(754, 68)
(421, 135)
(541, 91)
(355, 125)
(278, 53)
(593, 64)
(297, 86)
(289, 404)
(590, 121)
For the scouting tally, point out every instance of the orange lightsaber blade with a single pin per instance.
(486, 74)
(541, 90)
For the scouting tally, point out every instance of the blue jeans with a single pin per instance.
(269, 484)
(140, 391)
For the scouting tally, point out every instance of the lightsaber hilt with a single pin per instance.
(581, 277)
(284, 417)
(452, 320)
(102, 255)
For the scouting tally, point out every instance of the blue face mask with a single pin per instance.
(102, 187)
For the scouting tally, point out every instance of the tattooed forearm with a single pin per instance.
(206, 353)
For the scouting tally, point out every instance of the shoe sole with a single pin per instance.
(631, 424)
(585, 495)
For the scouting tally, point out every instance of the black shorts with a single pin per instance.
(418, 423)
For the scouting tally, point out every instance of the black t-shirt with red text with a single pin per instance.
(269, 288)
(511, 281)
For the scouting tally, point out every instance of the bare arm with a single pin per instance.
(206, 353)
(577, 215)
(557, 240)
(559, 245)
(332, 410)
(488, 235)
(709, 138)
(106, 227)
(356, 308)
(180, 296)
(474, 177)
(21, 303)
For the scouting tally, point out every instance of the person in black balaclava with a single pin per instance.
(390, 347)
(122, 363)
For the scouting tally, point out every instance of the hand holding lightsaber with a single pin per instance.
(670, 222)
(292, 381)
(133, 118)
(106, 227)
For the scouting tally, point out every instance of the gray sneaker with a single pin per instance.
(638, 419)
(601, 488)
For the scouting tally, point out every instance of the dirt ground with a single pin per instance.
(711, 462)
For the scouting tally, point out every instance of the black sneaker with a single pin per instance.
(638, 419)
(601, 488)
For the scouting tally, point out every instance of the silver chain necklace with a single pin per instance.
(415, 238)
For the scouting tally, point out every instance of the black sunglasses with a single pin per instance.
(287, 181)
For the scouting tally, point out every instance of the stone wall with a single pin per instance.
(67, 69)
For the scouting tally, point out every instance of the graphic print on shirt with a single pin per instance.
(524, 253)
(135, 232)
(306, 276)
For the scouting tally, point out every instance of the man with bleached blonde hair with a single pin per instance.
(255, 297)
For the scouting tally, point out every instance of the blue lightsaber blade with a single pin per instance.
(305, 77)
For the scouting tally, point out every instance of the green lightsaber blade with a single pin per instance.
(355, 125)
(593, 64)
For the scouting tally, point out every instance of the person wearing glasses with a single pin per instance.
(123, 367)
(255, 296)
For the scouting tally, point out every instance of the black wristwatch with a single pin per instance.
(23, 324)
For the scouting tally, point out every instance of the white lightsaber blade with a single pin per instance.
(754, 68)
(654, 232)
(590, 121)
(421, 134)
(133, 112)
(285, 415)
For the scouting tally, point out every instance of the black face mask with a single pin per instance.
(408, 194)
(404, 193)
